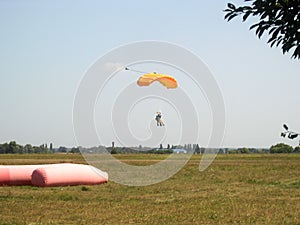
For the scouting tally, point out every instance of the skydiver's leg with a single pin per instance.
(161, 123)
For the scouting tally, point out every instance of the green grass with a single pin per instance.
(235, 189)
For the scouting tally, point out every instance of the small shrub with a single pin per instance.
(84, 188)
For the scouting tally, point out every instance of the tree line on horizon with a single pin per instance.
(13, 148)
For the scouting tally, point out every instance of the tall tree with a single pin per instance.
(279, 18)
(12, 147)
(281, 148)
(28, 148)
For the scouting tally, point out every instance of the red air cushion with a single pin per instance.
(67, 175)
(16, 174)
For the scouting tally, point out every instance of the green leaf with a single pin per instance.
(278, 42)
(275, 33)
(247, 14)
(253, 26)
(296, 53)
(286, 47)
(272, 29)
(231, 17)
(231, 6)
(273, 42)
(227, 15)
(271, 39)
(264, 15)
(260, 33)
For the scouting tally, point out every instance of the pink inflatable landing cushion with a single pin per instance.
(16, 174)
(68, 174)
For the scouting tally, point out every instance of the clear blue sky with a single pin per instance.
(46, 47)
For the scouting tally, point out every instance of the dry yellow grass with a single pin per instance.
(235, 189)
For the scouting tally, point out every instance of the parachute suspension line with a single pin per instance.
(138, 71)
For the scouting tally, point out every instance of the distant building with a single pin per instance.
(179, 151)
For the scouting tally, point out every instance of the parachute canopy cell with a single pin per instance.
(166, 80)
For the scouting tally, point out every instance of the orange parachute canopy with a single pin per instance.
(166, 80)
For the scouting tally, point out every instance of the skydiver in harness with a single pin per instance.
(158, 119)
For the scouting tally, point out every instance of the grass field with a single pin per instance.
(235, 189)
